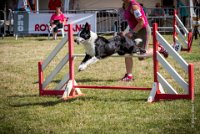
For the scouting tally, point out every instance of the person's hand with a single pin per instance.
(129, 35)
(121, 33)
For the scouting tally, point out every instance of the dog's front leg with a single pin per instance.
(83, 66)
(87, 61)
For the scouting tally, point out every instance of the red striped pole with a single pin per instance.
(71, 61)
(41, 77)
(191, 81)
(189, 41)
(112, 87)
(155, 61)
(155, 49)
(174, 24)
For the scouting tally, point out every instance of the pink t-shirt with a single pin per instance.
(60, 17)
(132, 22)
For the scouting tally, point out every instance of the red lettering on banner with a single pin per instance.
(65, 28)
(37, 27)
(43, 27)
(78, 27)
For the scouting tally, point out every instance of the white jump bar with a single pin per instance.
(50, 77)
(172, 52)
(181, 35)
(172, 72)
(181, 25)
(62, 82)
(165, 84)
(177, 40)
(54, 52)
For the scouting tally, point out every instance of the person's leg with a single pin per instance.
(142, 34)
(53, 25)
(59, 25)
(55, 28)
(55, 31)
(161, 50)
(129, 65)
(184, 20)
(51, 29)
(145, 35)
(149, 51)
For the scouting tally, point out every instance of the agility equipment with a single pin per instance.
(69, 88)
(43, 82)
(181, 36)
(160, 82)
(68, 82)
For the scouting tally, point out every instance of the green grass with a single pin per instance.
(23, 111)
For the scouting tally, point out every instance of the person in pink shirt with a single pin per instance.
(138, 28)
(57, 21)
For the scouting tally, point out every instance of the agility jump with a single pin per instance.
(181, 36)
(157, 92)
(68, 87)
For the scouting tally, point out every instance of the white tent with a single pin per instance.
(91, 4)
(99, 4)
(43, 4)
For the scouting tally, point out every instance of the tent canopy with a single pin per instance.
(101, 4)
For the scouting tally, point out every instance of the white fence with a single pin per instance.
(108, 19)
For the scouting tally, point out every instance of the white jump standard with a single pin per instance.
(181, 36)
(159, 82)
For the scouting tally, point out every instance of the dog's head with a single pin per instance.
(84, 34)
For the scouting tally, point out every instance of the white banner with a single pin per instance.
(38, 23)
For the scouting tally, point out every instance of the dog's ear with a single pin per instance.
(87, 26)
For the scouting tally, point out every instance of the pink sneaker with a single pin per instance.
(127, 78)
(163, 51)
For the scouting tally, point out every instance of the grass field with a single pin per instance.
(23, 111)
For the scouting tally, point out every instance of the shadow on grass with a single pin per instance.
(44, 104)
(109, 99)
(36, 97)
(82, 98)
(96, 80)
(53, 81)
(23, 96)
(42, 39)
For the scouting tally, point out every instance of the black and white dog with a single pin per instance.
(97, 47)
